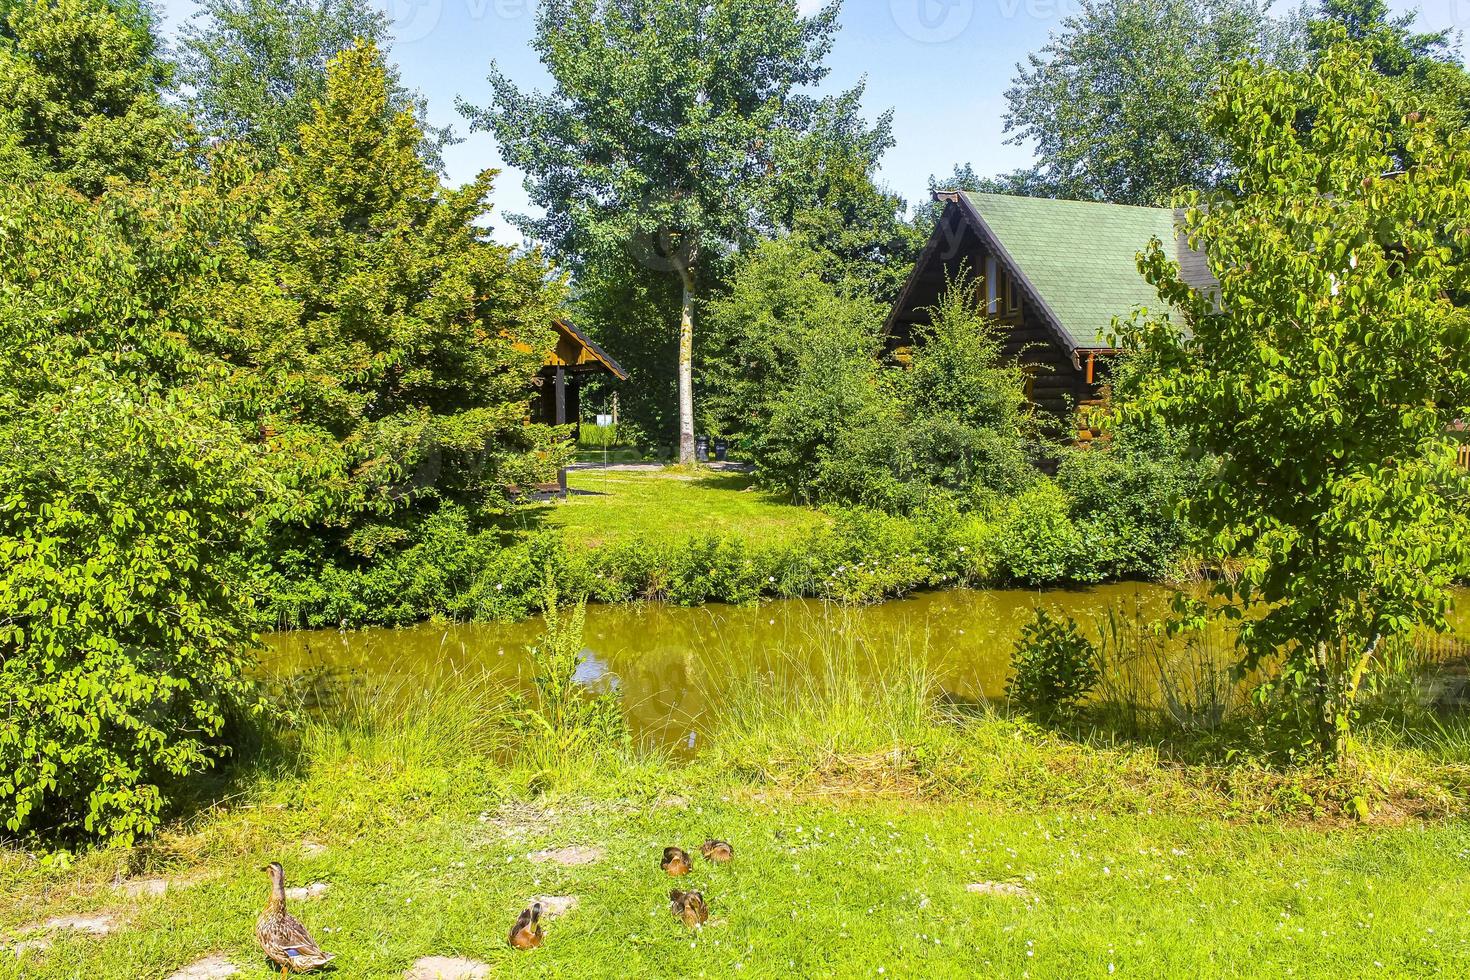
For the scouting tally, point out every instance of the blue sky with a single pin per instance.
(942, 65)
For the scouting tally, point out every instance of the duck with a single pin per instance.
(676, 862)
(689, 908)
(718, 851)
(526, 933)
(284, 939)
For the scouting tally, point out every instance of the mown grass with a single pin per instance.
(828, 889)
(860, 813)
(609, 506)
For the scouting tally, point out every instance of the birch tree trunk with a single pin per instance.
(686, 371)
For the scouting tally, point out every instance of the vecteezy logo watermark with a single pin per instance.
(413, 20)
(936, 21)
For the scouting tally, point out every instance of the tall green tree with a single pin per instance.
(1115, 102)
(792, 359)
(1421, 66)
(393, 355)
(1323, 374)
(657, 135)
(255, 67)
(825, 191)
(81, 92)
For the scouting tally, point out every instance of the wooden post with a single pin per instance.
(561, 419)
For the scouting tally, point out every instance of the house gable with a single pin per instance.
(1075, 261)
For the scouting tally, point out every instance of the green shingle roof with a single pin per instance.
(1080, 257)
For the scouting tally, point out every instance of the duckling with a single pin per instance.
(689, 908)
(284, 939)
(718, 851)
(676, 862)
(526, 933)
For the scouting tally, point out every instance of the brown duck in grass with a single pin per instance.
(718, 851)
(526, 933)
(689, 908)
(283, 937)
(676, 862)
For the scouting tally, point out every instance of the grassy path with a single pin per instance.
(817, 889)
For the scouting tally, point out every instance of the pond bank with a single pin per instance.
(674, 667)
(874, 824)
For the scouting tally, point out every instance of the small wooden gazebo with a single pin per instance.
(559, 396)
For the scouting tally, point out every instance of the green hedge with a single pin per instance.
(865, 556)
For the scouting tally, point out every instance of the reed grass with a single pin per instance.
(802, 714)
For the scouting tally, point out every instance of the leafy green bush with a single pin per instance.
(1127, 492)
(1035, 541)
(865, 555)
(793, 363)
(124, 633)
(1054, 666)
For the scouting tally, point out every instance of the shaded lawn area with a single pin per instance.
(608, 506)
(835, 888)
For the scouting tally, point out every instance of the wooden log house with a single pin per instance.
(1053, 274)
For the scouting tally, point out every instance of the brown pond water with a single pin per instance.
(668, 662)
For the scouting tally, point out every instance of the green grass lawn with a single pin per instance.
(871, 888)
(613, 505)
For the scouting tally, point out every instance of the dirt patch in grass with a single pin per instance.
(447, 968)
(567, 857)
(209, 968)
(997, 889)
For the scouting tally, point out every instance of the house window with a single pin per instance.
(1013, 296)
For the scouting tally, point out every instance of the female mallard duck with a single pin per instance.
(526, 933)
(689, 908)
(676, 862)
(718, 851)
(284, 939)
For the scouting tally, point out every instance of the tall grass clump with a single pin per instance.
(850, 709)
(1155, 682)
(390, 748)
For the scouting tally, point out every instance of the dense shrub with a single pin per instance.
(1036, 542)
(797, 377)
(1054, 667)
(124, 635)
(967, 424)
(125, 506)
(1127, 491)
(865, 555)
(793, 363)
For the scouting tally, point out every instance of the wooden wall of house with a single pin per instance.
(1056, 386)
